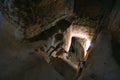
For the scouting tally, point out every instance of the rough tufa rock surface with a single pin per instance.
(37, 15)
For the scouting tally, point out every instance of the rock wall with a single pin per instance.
(101, 65)
(114, 21)
(37, 15)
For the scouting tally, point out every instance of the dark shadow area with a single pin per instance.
(116, 50)
(60, 25)
(92, 8)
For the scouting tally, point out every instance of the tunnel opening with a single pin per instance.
(93, 10)
(74, 48)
